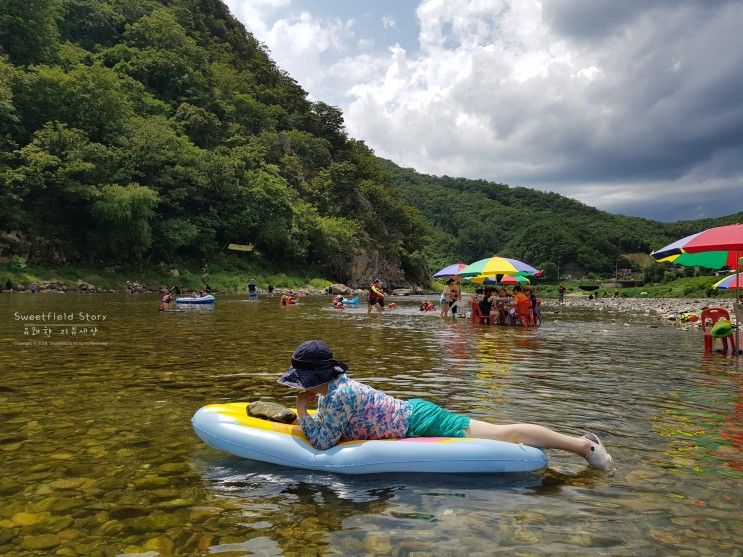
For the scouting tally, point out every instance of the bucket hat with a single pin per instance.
(312, 365)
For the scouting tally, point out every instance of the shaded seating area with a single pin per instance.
(477, 315)
(716, 324)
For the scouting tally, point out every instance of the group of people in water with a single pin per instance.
(520, 307)
(492, 304)
(167, 300)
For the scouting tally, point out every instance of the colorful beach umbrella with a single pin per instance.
(450, 271)
(730, 281)
(708, 259)
(511, 279)
(721, 245)
(497, 266)
(727, 239)
(504, 280)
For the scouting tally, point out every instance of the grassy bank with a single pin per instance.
(223, 276)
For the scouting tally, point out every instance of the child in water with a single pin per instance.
(165, 302)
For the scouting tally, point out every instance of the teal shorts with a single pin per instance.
(430, 420)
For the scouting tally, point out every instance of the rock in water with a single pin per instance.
(271, 411)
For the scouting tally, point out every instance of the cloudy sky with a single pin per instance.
(632, 106)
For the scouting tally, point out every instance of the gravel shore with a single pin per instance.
(664, 309)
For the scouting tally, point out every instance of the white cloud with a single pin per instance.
(297, 41)
(255, 13)
(388, 22)
(605, 101)
(495, 92)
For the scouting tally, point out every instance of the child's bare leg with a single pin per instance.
(529, 434)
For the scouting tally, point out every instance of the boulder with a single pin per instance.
(52, 285)
(85, 286)
(271, 411)
(402, 291)
(371, 264)
(341, 289)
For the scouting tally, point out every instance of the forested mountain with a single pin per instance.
(136, 131)
(470, 219)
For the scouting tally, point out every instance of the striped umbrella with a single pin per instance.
(713, 248)
(707, 259)
(505, 279)
(497, 266)
(450, 271)
(730, 281)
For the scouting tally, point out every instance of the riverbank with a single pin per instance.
(230, 279)
(668, 310)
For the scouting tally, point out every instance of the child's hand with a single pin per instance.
(304, 399)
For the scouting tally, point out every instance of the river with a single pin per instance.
(98, 456)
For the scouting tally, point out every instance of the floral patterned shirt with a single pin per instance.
(352, 410)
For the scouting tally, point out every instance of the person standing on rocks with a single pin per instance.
(561, 293)
(376, 296)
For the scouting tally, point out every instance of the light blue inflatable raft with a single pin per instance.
(208, 299)
(228, 427)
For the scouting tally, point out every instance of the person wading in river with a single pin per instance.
(376, 296)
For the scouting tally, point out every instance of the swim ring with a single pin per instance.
(208, 299)
(228, 427)
(721, 329)
(352, 302)
(689, 317)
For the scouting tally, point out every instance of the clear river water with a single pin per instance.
(97, 455)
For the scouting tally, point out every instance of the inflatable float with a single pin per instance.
(229, 428)
(208, 299)
(352, 302)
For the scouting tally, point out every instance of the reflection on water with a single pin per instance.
(99, 459)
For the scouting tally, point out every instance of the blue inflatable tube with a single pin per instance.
(229, 428)
(208, 299)
(352, 302)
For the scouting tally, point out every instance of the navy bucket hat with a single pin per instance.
(312, 365)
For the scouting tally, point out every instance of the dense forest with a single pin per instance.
(470, 219)
(134, 132)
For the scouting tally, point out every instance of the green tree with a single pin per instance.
(90, 23)
(203, 127)
(28, 30)
(124, 216)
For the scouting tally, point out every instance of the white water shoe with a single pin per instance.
(598, 457)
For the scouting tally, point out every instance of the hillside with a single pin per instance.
(134, 132)
(469, 219)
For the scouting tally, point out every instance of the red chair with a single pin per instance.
(709, 317)
(477, 316)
